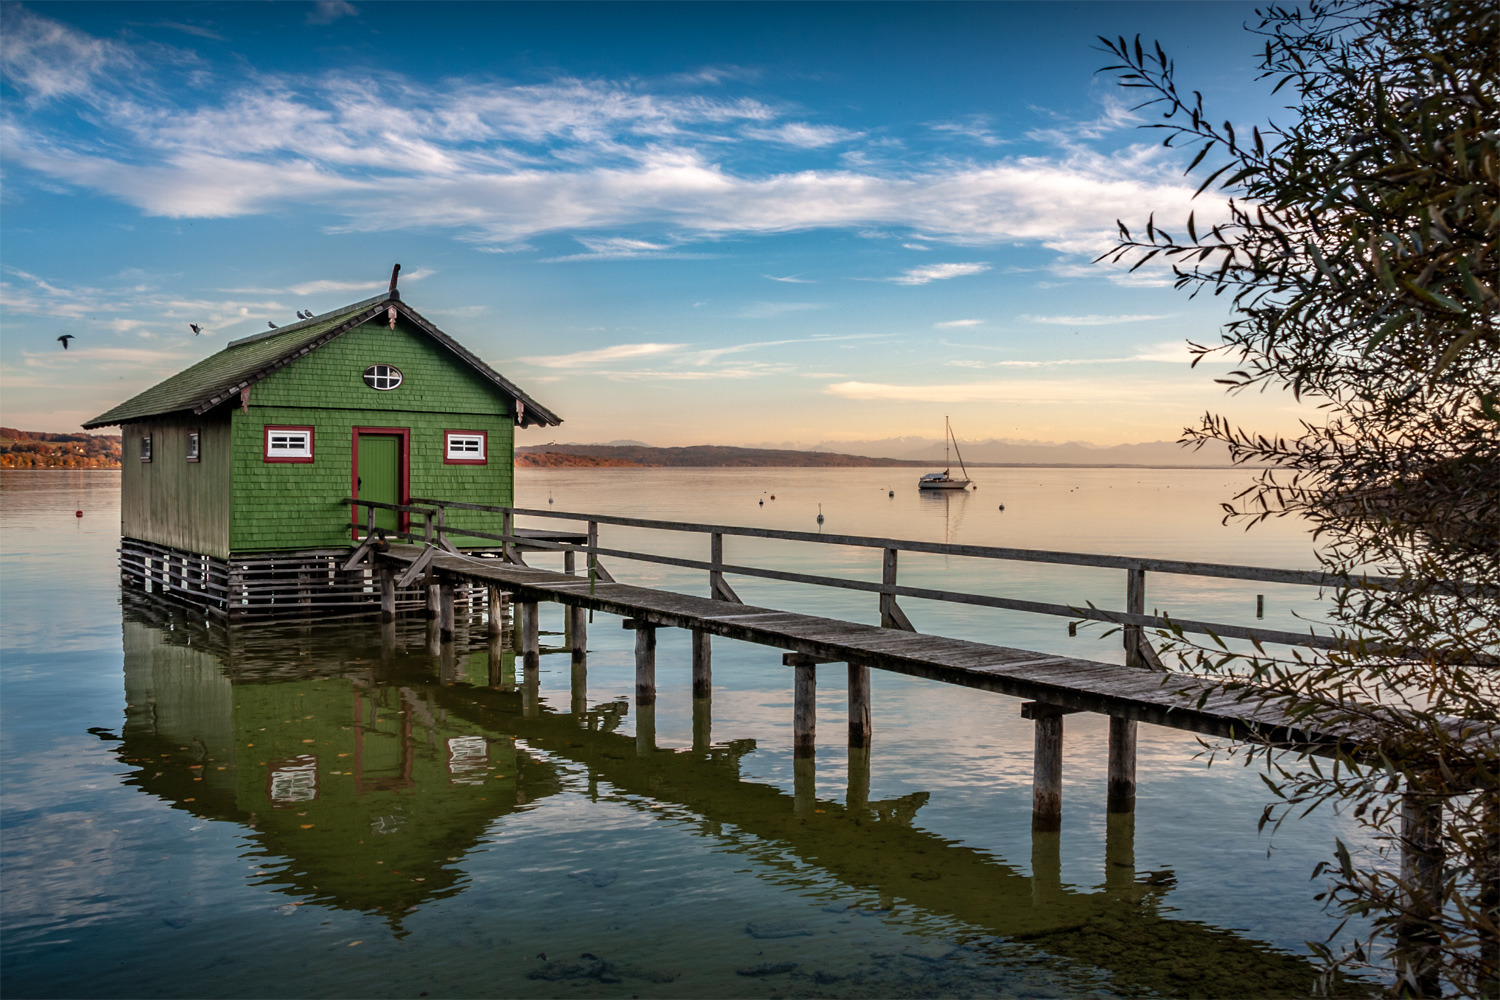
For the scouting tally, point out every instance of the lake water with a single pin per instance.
(327, 810)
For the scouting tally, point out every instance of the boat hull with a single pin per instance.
(943, 484)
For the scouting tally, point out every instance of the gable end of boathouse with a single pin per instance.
(246, 457)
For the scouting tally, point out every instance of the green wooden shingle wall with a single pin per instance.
(297, 505)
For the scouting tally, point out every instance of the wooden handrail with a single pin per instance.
(1133, 618)
(1311, 578)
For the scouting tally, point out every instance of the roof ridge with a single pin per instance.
(278, 331)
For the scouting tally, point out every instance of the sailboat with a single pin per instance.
(944, 480)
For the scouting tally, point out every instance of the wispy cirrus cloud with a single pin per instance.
(955, 323)
(938, 272)
(802, 135)
(497, 164)
(601, 356)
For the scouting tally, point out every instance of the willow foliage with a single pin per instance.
(1361, 252)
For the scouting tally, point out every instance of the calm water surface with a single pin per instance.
(333, 810)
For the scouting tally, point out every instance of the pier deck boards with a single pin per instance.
(1176, 700)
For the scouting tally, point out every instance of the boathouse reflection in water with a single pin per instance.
(373, 759)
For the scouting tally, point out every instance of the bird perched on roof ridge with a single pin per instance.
(195, 328)
(272, 325)
(63, 340)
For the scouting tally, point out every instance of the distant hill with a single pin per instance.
(699, 456)
(1000, 451)
(40, 450)
(912, 452)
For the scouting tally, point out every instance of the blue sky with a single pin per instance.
(681, 223)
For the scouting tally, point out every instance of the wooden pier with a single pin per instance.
(1054, 686)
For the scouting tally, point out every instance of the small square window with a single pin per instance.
(289, 444)
(145, 447)
(192, 446)
(466, 447)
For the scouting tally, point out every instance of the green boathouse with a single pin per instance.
(236, 470)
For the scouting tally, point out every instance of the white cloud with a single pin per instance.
(328, 11)
(949, 324)
(790, 279)
(497, 164)
(602, 356)
(975, 128)
(46, 59)
(802, 135)
(938, 272)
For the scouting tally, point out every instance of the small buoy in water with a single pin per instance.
(773, 496)
(890, 493)
(549, 497)
(762, 501)
(78, 513)
(1002, 506)
(820, 513)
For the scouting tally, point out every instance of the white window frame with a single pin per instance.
(383, 373)
(295, 444)
(466, 447)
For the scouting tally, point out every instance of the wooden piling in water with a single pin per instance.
(645, 661)
(805, 710)
(859, 705)
(434, 599)
(387, 576)
(1417, 954)
(703, 723)
(804, 784)
(1046, 773)
(857, 795)
(703, 680)
(446, 623)
(1122, 737)
(645, 730)
(496, 623)
(578, 688)
(531, 638)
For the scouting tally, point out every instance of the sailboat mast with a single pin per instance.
(947, 433)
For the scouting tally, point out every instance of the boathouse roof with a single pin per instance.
(220, 377)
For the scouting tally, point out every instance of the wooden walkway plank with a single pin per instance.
(1072, 683)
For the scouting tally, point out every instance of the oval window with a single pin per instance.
(382, 377)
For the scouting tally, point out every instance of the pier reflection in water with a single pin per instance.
(369, 767)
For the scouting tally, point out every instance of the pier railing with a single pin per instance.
(437, 534)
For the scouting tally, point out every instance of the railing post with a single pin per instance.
(593, 554)
(1135, 604)
(369, 523)
(716, 566)
(891, 615)
(507, 526)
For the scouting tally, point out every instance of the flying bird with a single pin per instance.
(63, 340)
(195, 328)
